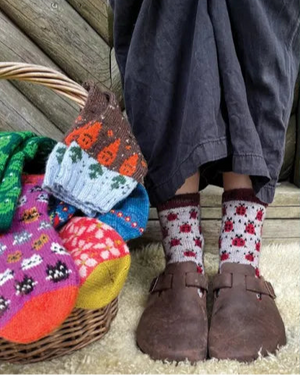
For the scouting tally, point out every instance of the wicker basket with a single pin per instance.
(83, 326)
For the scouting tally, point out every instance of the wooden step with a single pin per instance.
(282, 224)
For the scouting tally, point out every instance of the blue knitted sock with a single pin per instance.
(60, 212)
(129, 217)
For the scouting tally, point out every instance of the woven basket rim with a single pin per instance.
(82, 327)
(44, 76)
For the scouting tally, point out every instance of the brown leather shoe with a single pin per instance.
(245, 318)
(174, 324)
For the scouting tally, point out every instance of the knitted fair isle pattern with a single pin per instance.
(100, 163)
(102, 258)
(60, 212)
(180, 223)
(84, 183)
(241, 230)
(35, 271)
(15, 150)
(129, 217)
(103, 132)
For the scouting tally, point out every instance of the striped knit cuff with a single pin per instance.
(79, 180)
(181, 200)
(247, 195)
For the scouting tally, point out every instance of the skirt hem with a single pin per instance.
(249, 164)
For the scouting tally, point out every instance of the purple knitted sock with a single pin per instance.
(38, 279)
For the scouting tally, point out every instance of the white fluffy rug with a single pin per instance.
(117, 352)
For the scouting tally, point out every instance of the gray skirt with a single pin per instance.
(208, 84)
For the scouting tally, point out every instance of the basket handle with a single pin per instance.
(44, 76)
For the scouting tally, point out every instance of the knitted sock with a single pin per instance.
(100, 163)
(60, 212)
(102, 258)
(129, 217)
(241, 230)
(9, 142)
(87, 185)
(15, 150)
(180, 223)
(38, 278)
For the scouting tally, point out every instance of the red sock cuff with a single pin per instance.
(247, 195)
(181, 200)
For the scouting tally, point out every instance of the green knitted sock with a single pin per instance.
(9, 142)
(21, 148)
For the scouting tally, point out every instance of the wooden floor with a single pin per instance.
(71, 36)
(282, 224)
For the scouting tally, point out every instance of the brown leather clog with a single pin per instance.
(245, 318)
(174, 324)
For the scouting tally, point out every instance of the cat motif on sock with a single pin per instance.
(35, 271)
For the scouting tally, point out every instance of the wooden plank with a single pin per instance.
(286, 204)
(272, 229)
(211, 244)
(280, 212)
(281, 226)
(63, 35)
(98, 14)
(18, 113)
(116, 84)
(286, 194)
(16, 46)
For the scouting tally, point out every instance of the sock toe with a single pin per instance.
(40, 316)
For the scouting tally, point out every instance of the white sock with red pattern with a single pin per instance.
(241, 230)
(180, 223)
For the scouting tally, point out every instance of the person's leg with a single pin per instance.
(242, 221)
(244, 307)
(233, 180)
(191, 185)
(188, 108)
(178, 295)
(178, 127)
(180, 224)
(258, 62)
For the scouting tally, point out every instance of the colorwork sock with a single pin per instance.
(16, 149)
(241, 230)
(38, 278)
(102, 258)
(60, 212)
(129, 217)
(9, 142)
(180, 223)
(99, 162)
